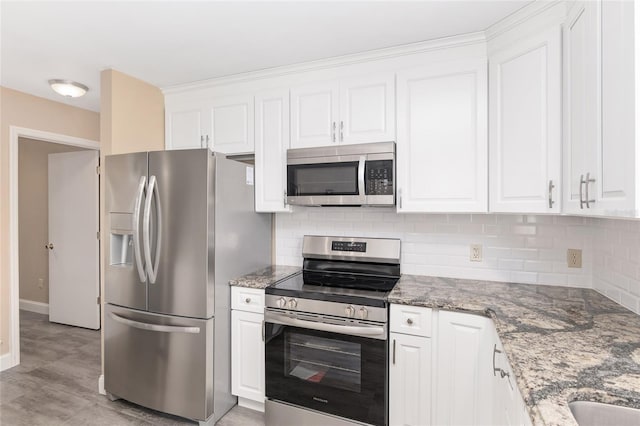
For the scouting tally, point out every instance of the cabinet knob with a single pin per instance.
(409, 321)
(247, 300)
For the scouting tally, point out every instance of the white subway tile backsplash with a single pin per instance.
(529, 249)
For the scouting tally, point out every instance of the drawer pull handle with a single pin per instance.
(409, 321)
(247, 300)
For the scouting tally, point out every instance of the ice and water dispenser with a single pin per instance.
(121, 235)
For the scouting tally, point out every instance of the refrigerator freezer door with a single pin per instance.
(159, 361)
(184, 184)
(125, 184)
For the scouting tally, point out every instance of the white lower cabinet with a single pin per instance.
(410, 365)
(442, 371)
(508, 405)
(463, 374)
(409, 380)
(247, 349)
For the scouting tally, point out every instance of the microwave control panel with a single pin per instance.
(379, 177)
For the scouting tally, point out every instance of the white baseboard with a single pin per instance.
(6, 361)
(101, 390)
(251, 404)
(37, 307)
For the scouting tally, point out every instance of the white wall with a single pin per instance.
(516, 248)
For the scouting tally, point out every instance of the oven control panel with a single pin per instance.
(336, 309)
(360, 247)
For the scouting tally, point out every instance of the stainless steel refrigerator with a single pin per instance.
(180, 225)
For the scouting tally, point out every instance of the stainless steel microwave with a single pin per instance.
(344, 175)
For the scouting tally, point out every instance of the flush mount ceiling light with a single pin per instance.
(68, 88)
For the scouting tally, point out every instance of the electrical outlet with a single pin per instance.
(40, 282)
(574, 258)
(475, 254)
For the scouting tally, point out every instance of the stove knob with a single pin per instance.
(363, 313)
(293, 303)
(282, 302)
(350, 311)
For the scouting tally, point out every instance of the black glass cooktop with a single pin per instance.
(340, 282)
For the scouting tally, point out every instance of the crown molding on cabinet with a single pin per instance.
(521, 16)
(378, 54)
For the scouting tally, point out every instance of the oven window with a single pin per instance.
(325, 371)
(323, 179)
(329, 362)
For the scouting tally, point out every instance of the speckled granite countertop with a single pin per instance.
(564, 344)
(265, 277)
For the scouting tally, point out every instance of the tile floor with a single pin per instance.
(56, 383)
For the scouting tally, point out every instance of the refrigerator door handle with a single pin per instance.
(137, 247)
(152, 267)
(155, 327)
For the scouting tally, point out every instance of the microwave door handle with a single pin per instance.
(361, 166)
(137, 247)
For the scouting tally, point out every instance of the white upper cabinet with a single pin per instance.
(271, 144)
(600, 170)
(367, 109)
(525, 130)
(349, 111)
(232, 127)
(615, 193)
(184, 127)
(581, 103)
(442, 137)
(222, 124)
(314, 115)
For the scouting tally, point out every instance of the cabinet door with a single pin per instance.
(464, 370)
(442, 138)
(247, 355)
(525, 130)
(409, 380)
(314, 115)
(231, 121)
(183, 128)
(272, 142)
(367, 109)
(615, 191)
(581, 103)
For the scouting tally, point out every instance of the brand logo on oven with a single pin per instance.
(324, 401)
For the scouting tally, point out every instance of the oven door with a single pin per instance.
(333, 372)
(337, 180)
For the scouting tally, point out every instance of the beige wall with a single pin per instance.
(33, 215)
(131, 120)
(23, 110)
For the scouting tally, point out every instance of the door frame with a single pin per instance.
(15, 133)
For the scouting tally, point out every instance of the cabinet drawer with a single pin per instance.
(247, 299)
(413, 320)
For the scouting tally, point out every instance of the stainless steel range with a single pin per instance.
(326, 334)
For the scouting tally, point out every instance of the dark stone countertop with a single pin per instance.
(265, 277)
(563, 344)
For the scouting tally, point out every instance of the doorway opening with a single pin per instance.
(52, 196)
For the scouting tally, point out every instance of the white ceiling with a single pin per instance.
(169, 43)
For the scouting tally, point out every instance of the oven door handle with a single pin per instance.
(374, 332)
